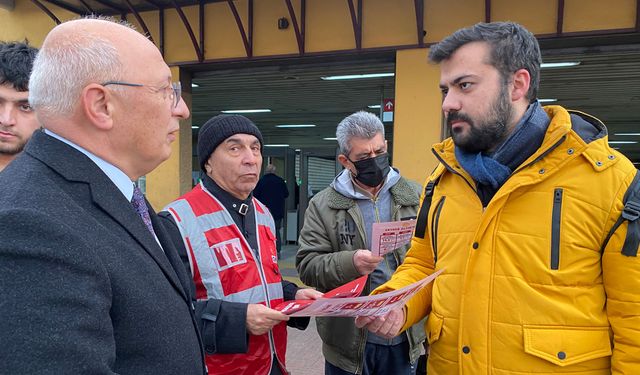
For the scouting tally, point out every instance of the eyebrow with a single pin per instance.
(457, 80)
(4, 99)
(366, 153)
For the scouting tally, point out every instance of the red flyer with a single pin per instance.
(344, 301)
(350, 289)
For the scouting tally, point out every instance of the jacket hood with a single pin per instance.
(344, 185)
(587, 127)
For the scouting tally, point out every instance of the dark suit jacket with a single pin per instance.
(85, 288)
(272, 191)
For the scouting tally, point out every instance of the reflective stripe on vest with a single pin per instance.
(215, 246)
(224, 267)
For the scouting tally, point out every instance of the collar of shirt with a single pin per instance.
(245, 222)
(118, 177)
(230, 202)
(359, 189)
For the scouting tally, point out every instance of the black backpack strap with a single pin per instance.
(423, 215)
(630, 213)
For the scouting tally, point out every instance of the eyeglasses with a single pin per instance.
(176, 89)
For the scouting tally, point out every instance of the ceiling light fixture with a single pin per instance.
(548, 100)
(246, 111)
(374, 106)
(296, 126)
(330, 139)
(195, 127)
(622, 142)
(357, 76)
(277, 145)
(626, 134)
(565, 64)
(194, 85)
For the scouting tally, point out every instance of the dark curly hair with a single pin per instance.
(512, 47)
(16, 61)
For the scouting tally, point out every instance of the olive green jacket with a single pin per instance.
(325, 261)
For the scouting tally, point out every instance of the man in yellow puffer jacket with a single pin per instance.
(518, 213)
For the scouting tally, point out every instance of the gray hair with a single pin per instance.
(361, 124)
(63, 68)
(512, 48)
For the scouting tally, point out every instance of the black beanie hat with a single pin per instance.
(219, 128)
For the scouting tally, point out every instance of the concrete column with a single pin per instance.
(418, 114)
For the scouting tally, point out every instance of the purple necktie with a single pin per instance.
(141, 208)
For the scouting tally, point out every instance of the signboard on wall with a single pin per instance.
(388, 106)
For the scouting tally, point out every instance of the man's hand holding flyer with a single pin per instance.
(343, 301)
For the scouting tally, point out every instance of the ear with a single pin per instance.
(521, 83)
(208, 167)
(344, 161)
(96, 104)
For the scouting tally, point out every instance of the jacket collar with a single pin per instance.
(402, 193)
(578, 132)
(76, 167)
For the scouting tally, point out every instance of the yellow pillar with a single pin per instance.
(418, 114)
(173, 177)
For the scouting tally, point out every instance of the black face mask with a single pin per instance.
(372, 171)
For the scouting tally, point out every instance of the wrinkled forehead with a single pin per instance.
(366, 145)
(242, 138)
(469, 61)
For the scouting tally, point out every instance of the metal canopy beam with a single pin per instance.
(161, 31)
(47, 11)
(139, 19)
(187, 26)
(419, 7)
(487, 11)
(112, 5)
(87, 7)
(299, 36)
(356, 21)
(560, 19)
(248, 43)
(154, 3)
(250, 26)
(63, 5)
(201, 26)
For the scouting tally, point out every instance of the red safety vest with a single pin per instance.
(224, 267)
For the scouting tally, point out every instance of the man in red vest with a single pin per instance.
(228, 243)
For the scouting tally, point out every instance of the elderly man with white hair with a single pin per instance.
(90, 283)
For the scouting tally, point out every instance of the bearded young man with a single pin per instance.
(521, 214)
(17, 119)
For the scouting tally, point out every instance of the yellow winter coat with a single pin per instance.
(526, 288)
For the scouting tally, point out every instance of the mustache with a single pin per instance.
(458, 116)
